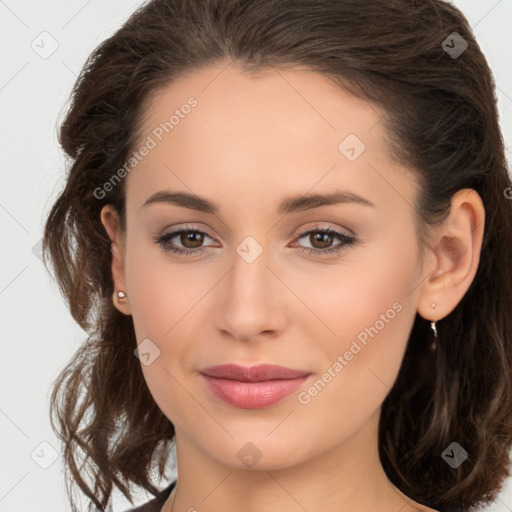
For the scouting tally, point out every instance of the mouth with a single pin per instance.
(252, 387)
(258, 373)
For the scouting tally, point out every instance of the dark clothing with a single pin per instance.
(156, 504)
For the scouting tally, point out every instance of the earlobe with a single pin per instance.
(456, 252)
(110, 221)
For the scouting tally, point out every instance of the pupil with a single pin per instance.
(323, 238)
(191, 237)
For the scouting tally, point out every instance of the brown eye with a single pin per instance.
(321, 241)
(185, 241)
(191, 239)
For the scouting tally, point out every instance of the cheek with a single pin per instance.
(363, 298)
(370, 312)
(360, 363)
(166, 301)
(163, 292)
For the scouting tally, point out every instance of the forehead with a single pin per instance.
(251, 133)
(294, 102)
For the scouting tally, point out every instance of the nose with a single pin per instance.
(250, 300)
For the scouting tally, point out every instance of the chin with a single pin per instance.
(256, 454)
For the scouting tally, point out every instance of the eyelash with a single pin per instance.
(346, 241)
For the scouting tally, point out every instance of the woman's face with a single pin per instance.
(249, 144)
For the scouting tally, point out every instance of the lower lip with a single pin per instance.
(252, 395)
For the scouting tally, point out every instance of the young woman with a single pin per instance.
(287, 231)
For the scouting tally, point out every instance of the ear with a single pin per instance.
(455, 255)
(110, 220)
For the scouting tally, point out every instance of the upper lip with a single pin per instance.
(256, 373)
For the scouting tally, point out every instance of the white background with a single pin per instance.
(38, 333)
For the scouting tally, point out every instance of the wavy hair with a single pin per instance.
(441, 119)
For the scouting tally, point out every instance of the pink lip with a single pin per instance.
(253, 387)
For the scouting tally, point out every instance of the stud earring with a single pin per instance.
(121, 296)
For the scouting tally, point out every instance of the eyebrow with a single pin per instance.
(288, 205)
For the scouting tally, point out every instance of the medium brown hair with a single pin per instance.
(442, 122)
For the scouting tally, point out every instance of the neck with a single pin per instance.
(347, 478)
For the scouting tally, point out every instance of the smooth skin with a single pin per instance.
(251, 142)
